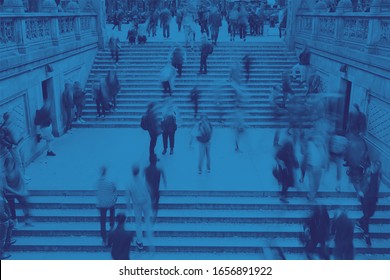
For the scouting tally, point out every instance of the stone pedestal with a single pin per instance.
(344, 6)
(72, 7)
(320, 7)
(13, 6)
(49, 6)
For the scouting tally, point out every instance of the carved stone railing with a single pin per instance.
(22, 32)
(365, 32)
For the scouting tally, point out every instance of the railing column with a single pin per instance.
(374, 33)
(77, 28)
(338, 34)
(20, 35)
(55, 31)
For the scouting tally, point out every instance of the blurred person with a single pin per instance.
(178, 57)
(79, 100)
(132, 34)
(247, 62)
(235, 76)
(67, 100)
(286, 87)
(167, 77)
(152, 124)
(44, 129)
(11, 137)
(142, 32)
(165, 19)
(179, 18)
(189, 31)
(114, 45)
(215, 23)
(154, 22)
(153, 175)
(118, 16)
(303, 66)
(233, 23)
(239, 128)
(120, 240)
(139, 197)
(15, 188)
(194, 96)
(357, 121)
(203, 18)
(276, 99)
(317, 231)
(113, 87)
(169, 127)
(286, 162)
(369, 199)
(314, 82)
(6, 227)
(337, 148)
(242, 21)
(106, 197)
(204, 134)
(282, 22)
(100, 100)
(342, 230)
(205, 50)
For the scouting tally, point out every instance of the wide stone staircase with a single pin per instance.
(192, 225)
(138, 71)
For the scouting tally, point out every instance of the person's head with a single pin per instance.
(103, 171)
(6, 116)
(153, 159)
(135, 170)
(120, 219)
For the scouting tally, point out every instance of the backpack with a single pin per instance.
(145, 122)
(205, 132)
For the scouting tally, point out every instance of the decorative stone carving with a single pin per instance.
(49, 6)
(344, 6)
(327, 26)
(355, 29)
(13, 6)
(37, 28)
(385, 32)
(378, 120)
(88, 7)
(304, 6)
(320, 7)
(306, 24)
(7, 31)
(85, 23)
(66, 25)
(376, 6)
(72, 7)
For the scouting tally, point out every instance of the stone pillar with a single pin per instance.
(55, 31)
(344, 6)
(49, 6)
(77, 28)
(291, 28)
(13, 6)
(20, 34)
(99, 7)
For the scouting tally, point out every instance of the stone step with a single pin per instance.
(185, 244)
(269, 230)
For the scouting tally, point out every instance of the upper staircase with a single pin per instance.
(139, 68)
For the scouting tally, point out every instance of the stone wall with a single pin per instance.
(45, 64)
(353, 47)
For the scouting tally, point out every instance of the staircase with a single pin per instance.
(139, 69)
(192, 225)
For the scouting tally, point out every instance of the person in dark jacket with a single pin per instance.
(357, 121)
(303, 65)
(153, 175)
(79, 100)
(370, 198)
(120, 240)
(100, 100)
(44, 128)
(153, 124)
(67, 98)
(205, 50)
(317, 228)
(178, 57)
(342, 229)
(165, 20)
(113, 87)
(169, 128)
(204, 134)
(215, 24)
(286, 161)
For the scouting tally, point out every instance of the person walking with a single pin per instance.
(6, 225)
(205, 50)
(100, 100)
(178, 56)
(44, 129)
(150, 122)
(106, 197)
(194, 97)
(114, 45)
(303, 66)
(204, 135)
(167, 77)
(79, 100)
(153, 175)
(369, 199)
(342, 229)
(113, 87)
(120, 239)
(67, 100)
(169, 127)
(165, 19)
(215, 24)
(140, 200)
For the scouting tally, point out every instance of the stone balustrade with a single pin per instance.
(365, 32)
(23, 32)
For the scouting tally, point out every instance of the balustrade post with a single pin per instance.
(77, 27)
(338, 33)
(55, 31)
(20, 34)
(374, 33)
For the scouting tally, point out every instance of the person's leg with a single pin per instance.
(179, 69)
(98, 106)
(112, 217)
(25, 207)
(138, 222)
(172, 140)
(207, 150)
(202, 152)
(168, 31)
(205, 65)
(11, 205)
(165, 142)
(3, 237)
(153, 142)
(102, 212)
